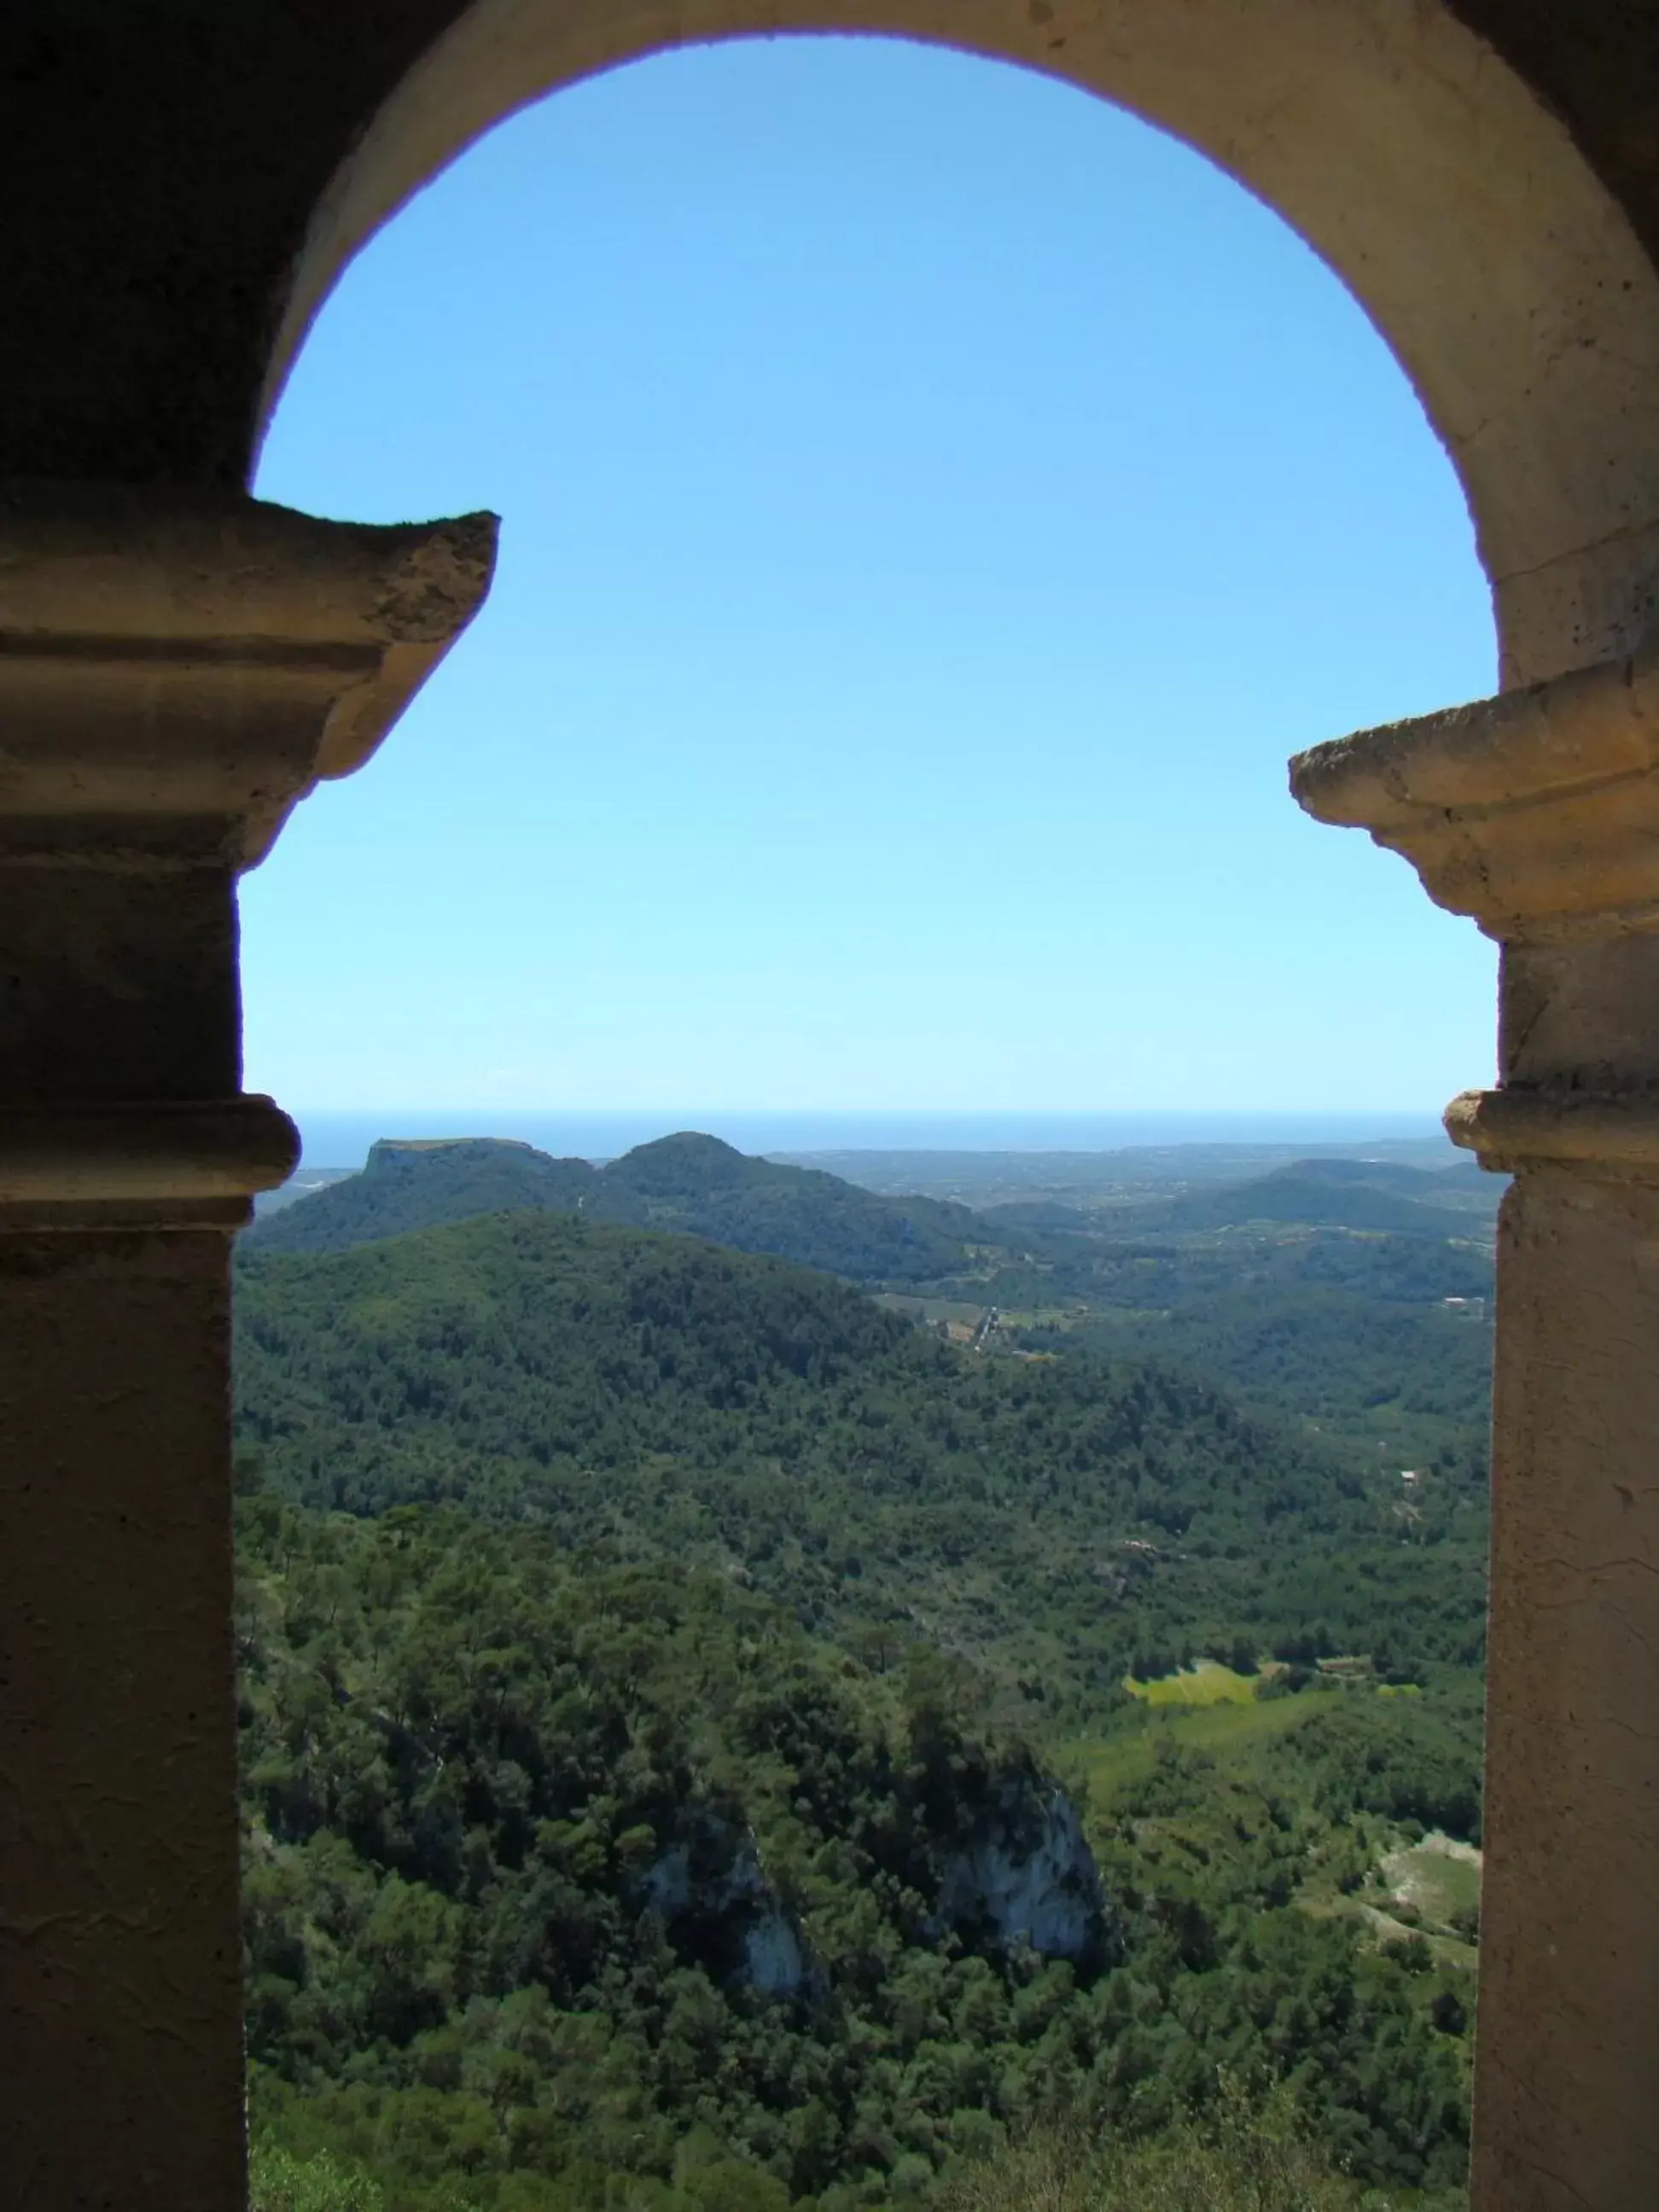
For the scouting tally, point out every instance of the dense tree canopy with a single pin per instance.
(689, 1182)
(469, 1756)
(1060, 1518)
(665, 1670)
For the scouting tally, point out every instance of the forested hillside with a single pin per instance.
(1376, 1340)
(571, 1884)
(1345, 1297)
(693, 1183)
(1308, 1191)
(712, 1743)
(1061, 1519)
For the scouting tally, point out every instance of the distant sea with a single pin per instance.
(340, 1139)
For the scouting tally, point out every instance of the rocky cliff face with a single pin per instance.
(714, 1899)
(1024, 1879)
(1027, 1878)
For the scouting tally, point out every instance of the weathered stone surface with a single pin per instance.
(1568, 2049)
(175, 673)
(1536, 811)
(177, 670)
(1513, 1129)
(120, 2044)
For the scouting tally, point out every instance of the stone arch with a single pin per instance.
(182, 662)
(1507, 281)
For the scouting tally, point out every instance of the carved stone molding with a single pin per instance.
(176, 672)
(1612, 1136)
(181, 1166)
(1536, 812)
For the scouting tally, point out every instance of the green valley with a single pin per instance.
(712, 1740)
(1060, 1521)
(1349, 1298)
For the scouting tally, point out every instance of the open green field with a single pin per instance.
(1414, 1885)
(931, 1310)
(1226, 1725)
(1209, 1683)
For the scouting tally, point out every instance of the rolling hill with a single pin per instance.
(689, 1182)
(631, 1633)
(1053, 1518)
(1343, 1193)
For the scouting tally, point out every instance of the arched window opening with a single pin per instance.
(935, 504)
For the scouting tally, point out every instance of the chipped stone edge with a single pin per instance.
(1614, 1136)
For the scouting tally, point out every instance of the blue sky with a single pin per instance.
(935, 506)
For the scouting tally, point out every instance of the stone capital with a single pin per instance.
(182, 1165)
(1536, 812)
(1611, 1136)
(177, 670)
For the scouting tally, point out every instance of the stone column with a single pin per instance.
(1538, 813)
(172, 677)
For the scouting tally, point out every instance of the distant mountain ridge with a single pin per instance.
(1347, 1193)
(700, 1186)
(694, 1184)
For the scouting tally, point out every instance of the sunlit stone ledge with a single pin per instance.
(194, 1163)
(177, 669)
(1536, 811)
(1516, 1129)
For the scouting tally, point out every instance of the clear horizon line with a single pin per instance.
(891, 1113)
